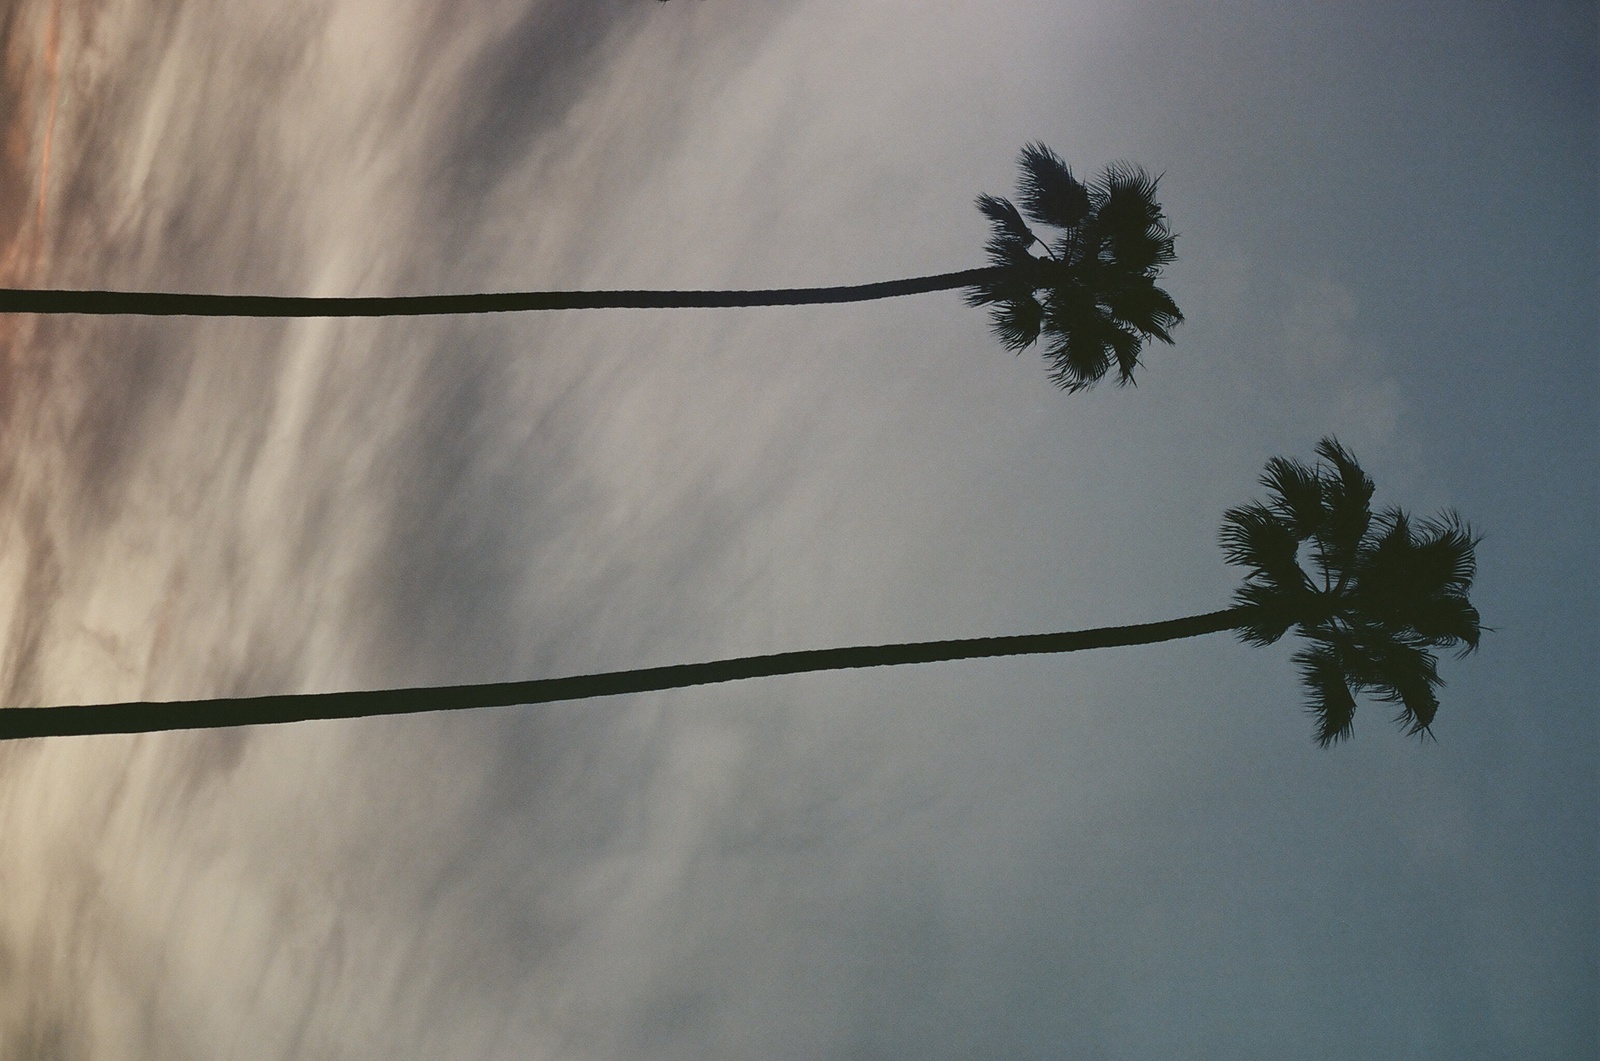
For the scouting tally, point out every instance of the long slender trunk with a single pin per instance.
(175, 304)
(147, 716)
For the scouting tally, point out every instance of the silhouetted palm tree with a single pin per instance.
(1097, 282)
(1387, 595)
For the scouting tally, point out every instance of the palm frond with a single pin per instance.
(1296, 495)
(1124, 345)
(1449, 545)
(1253, 537)
(1144, 307)
(1121, 178)
(1079, 337)
(1347, 501)
(1016, 322)
(1329, 699)
(1407, 674)
(1005, 218)
(1352, 485)
(1050, 194)
(1079, 355)
(1450, 622)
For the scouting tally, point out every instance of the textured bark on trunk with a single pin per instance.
(175, 304)
(148, 716)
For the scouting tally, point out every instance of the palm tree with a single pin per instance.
(1386, 596)
(1100, 302)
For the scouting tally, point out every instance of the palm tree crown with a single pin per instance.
(1093, 294)
(1383, 594)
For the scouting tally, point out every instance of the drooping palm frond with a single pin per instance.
(1093, 292)
(1384, 593)
(1329, 700)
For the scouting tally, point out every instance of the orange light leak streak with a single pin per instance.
(52, 61)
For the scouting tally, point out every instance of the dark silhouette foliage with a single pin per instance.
(1092, 296)
(1383, 593)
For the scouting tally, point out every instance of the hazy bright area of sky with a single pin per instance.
(1387, 218)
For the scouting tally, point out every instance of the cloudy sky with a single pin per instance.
(1387, 218)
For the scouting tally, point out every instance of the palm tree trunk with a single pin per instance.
(175, 304)
(148, 716)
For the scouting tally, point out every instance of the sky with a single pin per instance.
(1387, 232)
